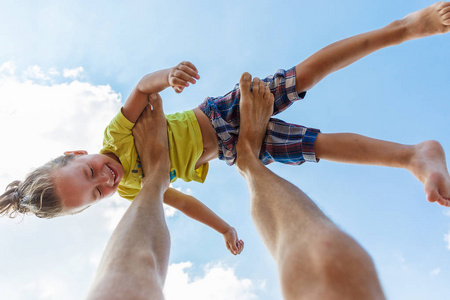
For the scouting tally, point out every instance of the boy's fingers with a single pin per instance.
(232, 248)
(190, 65)
(183, 76)
(228, 247)
(176, 81)
(189, 71)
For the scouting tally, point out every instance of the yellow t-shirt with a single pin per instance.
(185, 148)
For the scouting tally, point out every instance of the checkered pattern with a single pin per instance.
(285, 143)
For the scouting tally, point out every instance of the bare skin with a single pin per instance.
(135, 262)
(431, 20)
(315, 259)
(434, 19)
(429, 166)
(426, 161)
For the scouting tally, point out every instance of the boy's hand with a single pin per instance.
(232, 242)
(181, 75)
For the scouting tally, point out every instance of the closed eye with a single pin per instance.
(98, 190)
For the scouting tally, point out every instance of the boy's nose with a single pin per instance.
(103, 178)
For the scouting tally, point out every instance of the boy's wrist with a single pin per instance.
(225, 229)
(154, 82)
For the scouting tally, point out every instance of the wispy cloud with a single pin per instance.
(48, 118)
(435, 272)
(447, 239)
(73, 73)
(113, 214)
(7, 68)
(35, 72)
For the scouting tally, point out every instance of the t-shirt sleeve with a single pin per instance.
(118, 129)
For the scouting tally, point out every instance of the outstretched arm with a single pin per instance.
(177, 77)
(135, 261)
(196, 210)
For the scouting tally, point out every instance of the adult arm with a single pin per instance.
(135, 262)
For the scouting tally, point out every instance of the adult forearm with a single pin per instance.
(138, 252)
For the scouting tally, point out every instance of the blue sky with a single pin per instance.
(66, 66)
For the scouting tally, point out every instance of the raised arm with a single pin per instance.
(196, 210)
(177, 77)
(135, 261)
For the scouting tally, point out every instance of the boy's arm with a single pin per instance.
(195, 209)
(177, 77)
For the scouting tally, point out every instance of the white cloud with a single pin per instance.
(47, 288)
(219, 283)
(8, 68)
(169, 211)
(435, 272)
(40, 119)
(116, 208)
(43, 114)
(400, 258)
(447, 239)
(113, 214)
(73, 73)
(35, 72)
(53, 72)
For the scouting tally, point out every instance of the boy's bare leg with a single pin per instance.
(315, 259)
(135, 261)
(426, 161)
(431, 20)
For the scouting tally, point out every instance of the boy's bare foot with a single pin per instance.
(256, 108)
(150, 136)
(434, 19)
(428, 164)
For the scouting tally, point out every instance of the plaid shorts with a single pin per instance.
(285, 143)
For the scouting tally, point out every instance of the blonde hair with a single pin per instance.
(36, 194)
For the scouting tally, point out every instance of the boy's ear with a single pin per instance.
(76, 152)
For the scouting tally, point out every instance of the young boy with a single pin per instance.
(211, 130)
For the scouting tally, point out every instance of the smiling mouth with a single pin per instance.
(114, 174)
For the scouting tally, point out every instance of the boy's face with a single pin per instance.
(86, 179)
